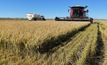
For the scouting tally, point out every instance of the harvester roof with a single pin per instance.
(78, 6)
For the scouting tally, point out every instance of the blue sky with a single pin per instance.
(51, 8)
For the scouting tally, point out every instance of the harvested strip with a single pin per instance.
(88, 51)
(65, 54)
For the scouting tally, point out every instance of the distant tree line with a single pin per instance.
(13, 18)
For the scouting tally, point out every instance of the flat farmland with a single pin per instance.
(52, 42)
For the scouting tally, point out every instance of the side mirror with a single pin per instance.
(85, 6)
(68, 10)
(87, 10)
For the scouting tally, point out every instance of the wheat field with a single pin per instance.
(52, 42)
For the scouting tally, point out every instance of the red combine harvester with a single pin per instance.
(77, 13)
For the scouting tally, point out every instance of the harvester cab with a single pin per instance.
(77, 13)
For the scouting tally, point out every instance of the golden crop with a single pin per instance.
(52, 42)
(34, 32)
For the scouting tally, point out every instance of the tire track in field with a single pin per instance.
(81, 48)
(98, 57)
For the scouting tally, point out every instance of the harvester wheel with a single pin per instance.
(56, 18)
(43, 19)
(91, 20)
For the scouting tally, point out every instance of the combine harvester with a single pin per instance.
(77, 13)
(35, 17)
